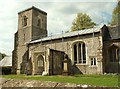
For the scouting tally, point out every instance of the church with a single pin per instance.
(89, 51)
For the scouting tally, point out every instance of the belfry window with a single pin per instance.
(79, 52)
(24, 22)
(114, 52)
(39, 22)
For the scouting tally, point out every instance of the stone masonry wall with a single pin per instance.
(93, 46)
(56, 59)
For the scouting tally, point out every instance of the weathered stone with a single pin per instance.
(87, 52)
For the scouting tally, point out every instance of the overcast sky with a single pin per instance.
(60, 15)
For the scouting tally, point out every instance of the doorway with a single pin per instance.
(40, 64)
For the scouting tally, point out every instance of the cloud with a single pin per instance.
(68, 1)
(60, 16)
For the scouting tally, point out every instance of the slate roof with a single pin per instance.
(71, 34)
(114, 32)
(6, 61)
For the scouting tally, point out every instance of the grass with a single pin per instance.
(95, 80)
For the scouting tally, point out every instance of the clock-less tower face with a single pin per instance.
(32, 25)
(39, 25)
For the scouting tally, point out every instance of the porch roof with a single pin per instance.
(6, 61)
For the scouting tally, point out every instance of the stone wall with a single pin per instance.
(14, 54)
(39, 25)
(34, 52)
(53, 59)
(56, 59)
(93, 48)
(34, 84)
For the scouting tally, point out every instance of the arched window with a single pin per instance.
(39, 22)
(114, 53)
(40, 65)
(24, 21)
(79, 52)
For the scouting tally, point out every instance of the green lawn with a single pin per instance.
(97, 80)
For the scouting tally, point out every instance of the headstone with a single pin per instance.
(65, 66)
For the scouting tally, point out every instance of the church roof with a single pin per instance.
(70, 34)
(6, 61)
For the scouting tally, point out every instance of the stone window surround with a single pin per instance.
(72, 52)
(39, 21)
(93, 61)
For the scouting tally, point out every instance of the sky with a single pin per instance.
(60, 15)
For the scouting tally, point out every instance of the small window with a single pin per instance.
(24, 37)
(93, 61)
(39, 22)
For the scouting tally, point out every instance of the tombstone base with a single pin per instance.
(65, 73)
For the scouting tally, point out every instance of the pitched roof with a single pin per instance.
(71, 34)
(114, 32)
(6, 61)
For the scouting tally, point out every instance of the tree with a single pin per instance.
(2, 55)
(82, 21)
(116, 15)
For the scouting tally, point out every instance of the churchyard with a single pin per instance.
(110, 80)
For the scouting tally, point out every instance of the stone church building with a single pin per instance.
(89, 51)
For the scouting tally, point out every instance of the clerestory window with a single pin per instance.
(79, 52)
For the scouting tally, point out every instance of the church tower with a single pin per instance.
(32, 25)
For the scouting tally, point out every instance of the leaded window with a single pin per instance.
(93, 61)
(79, 52)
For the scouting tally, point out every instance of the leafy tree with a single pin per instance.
(82, 21)
(116, 14)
